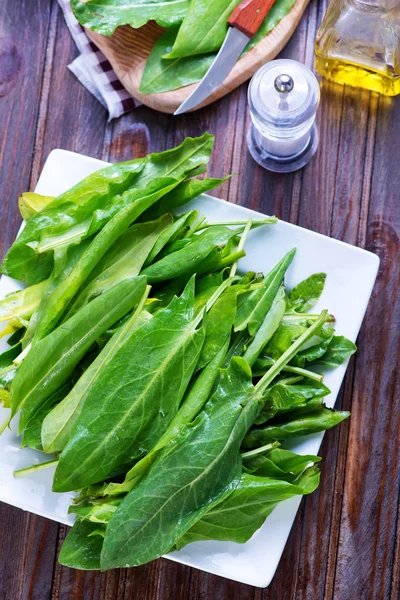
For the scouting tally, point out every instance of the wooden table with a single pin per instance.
(345, 544)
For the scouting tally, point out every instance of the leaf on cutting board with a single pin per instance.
(203, 29)
(104, 16)
(162, 75)
(134, 398)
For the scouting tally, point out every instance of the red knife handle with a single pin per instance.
(249, 14)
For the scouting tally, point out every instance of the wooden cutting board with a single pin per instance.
(127, 50)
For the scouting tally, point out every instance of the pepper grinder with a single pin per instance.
(283, 97)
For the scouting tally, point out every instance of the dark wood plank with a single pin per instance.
(27, 542)
(366, 548)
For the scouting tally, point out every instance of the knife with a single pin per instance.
(244, 22)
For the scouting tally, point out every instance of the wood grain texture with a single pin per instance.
(127, 50)
(345, 544)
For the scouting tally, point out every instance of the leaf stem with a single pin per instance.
(34, 468)
(256, 222)
(304, 373)
(5, 424)
(220, 290)
(301, 317)
(260, 450)
(290, 353)
(241, 245)
(18, 360)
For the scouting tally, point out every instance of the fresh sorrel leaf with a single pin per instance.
(314, 422)
(239, 516)
(132, 402)
(81, 550)
(32, 433)
(59, 423)
(124, 260)
(52, 360)
(255, 305)
(338, 351)
(203, 29)
(22, 303)
(104, 16)
(162, 75)
(306, 293)
(267, 328)
(67, 220)
(201, 468)
(30, 203)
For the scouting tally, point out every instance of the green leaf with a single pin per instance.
(30, 203)
(123, 260)
(305, 294)
(32, 433)
(59, 423)
(218, 325)
(183, 193)
(255, 305)
(22, 303)
(162, 75)
(203, 29)
(81, 550)
(316, 351)
(187, 477)
(338, 351)
(268, 327)
(52, 360)
(186, 260)
(314, 422)
(167, 234)
(196, 397)
(135, 397)
(283, 397)
(104, 16)
(67, 220)
(84, 209)
(278, 464)
(239, 516)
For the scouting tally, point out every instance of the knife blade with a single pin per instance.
(244, 22)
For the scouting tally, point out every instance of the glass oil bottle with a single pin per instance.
(358, 44)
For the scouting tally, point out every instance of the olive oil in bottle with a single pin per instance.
(358, 44)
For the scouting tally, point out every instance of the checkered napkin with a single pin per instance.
(95, 72)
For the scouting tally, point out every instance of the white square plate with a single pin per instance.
(351, 273)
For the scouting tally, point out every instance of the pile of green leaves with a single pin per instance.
(195, 31)
(164, 382)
